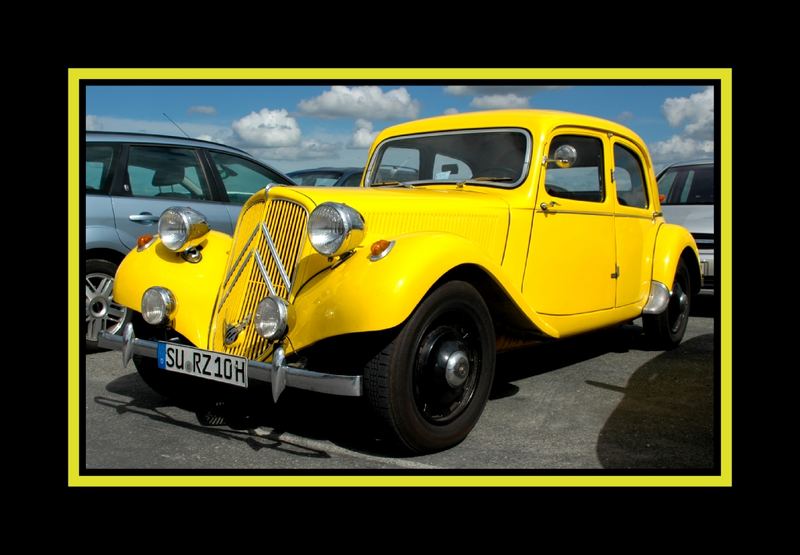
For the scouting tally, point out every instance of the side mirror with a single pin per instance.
(565, 156)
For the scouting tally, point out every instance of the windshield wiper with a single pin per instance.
(491, 179)
(390, 184)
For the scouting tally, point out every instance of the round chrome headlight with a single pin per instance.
(271, 319)
(181, 228)
(158, 305)
(335, 228)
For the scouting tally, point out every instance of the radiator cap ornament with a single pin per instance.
(232, 331)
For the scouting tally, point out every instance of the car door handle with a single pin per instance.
(144, 217)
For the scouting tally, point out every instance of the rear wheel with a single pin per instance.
(102, 313)
(431, 383)
(666, 330)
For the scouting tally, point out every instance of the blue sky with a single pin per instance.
(294, 127)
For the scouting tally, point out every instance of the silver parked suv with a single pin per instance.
(687, 199)
(131, 178)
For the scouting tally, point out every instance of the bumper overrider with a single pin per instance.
(276, 373)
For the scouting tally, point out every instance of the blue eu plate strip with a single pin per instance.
(162, 355)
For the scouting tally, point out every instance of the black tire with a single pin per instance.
(666, 330)
(101, 313)
(425, 407)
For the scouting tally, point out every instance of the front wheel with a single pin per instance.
(666, 330)
(431, 383)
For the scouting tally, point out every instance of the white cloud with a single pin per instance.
(678, 148)
(483, 90)
(367, 102)
(205, 110)
(363, 135)
(450, 111)
(696, 111)
(93, 123)
(625, 116)
(696, 114)
(497, 101)
(267, 128)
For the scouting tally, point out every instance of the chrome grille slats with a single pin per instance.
(266, 249)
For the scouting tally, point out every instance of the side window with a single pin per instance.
(99, 164)
(165, 172)
(584, 179)
(629, 178)
(240, 177)
(353, 181)
(398, 164)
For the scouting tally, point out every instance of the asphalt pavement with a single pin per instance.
(599, 401)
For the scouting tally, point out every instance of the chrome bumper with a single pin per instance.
(279, 375)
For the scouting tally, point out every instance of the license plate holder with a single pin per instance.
(200, 363)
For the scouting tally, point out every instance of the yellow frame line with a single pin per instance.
(724, 112)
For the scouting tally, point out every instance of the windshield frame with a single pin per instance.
(526, 163)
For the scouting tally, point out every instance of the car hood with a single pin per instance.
(696, 218)
(475, 213)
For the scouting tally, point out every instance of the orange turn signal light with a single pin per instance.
(143, 240)
(379, 246)
(662, 198)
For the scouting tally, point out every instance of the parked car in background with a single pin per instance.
(473, 233)
(131, 179)
(328, 177)
(687, 192)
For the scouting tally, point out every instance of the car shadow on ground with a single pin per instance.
(548, 356)
(666, 419)
(348, 422)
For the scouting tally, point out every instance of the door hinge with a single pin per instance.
(615, 275)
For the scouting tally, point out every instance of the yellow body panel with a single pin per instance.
(194, 285)
(361, 295)
(555, 268)
(671, 242)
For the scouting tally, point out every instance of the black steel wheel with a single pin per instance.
(666, 330)
(431, 383)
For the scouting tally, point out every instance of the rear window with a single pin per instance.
(99, 164)
(687, 185)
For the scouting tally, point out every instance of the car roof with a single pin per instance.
(698, 162)
(351, 169)
(124, 137)
(541, 120)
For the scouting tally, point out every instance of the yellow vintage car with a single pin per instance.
(470, 233)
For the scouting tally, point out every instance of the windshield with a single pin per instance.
(496, 157)
(687, 185)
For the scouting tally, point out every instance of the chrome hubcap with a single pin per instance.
(102, 313)
(678, 307)
(446, 369)
(456, 369)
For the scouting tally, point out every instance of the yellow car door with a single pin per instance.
(571, 260)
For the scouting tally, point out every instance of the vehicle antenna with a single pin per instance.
(176, 125)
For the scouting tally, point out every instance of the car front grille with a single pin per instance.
(268, 241)
(705, 241)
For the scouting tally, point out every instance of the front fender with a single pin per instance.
(671, 242)
(194, 285)
(362, 295)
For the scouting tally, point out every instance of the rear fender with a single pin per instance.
(672, 243)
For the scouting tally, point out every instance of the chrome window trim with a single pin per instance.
(526, 160)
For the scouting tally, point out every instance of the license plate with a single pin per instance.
(202, 364)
